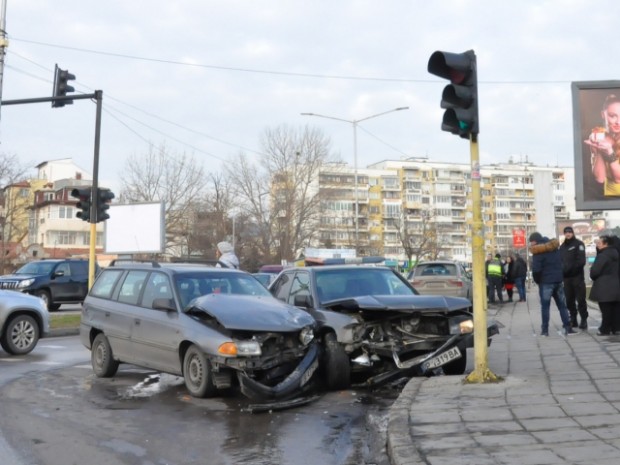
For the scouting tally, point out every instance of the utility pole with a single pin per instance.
(4, 43)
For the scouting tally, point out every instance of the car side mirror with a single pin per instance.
(164, 304)
(304, 301)
(58, 273)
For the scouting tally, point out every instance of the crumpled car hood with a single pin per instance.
(252, 313)
(402, 303)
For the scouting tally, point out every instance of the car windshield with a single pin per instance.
(342, 283)
(36, 268)
(192, 285)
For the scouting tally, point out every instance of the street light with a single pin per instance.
(355, 122)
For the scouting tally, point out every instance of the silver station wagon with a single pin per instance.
(216, 327)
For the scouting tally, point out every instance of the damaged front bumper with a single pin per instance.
(450, 350)
(293, 383)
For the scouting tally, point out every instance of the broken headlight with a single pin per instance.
(240, 348)
(461, 326)
(306, 335)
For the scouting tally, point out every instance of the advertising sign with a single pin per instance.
(518, 238)
(596, 132)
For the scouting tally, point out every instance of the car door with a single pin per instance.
(61, 285)
(157, 334)
(79, 280)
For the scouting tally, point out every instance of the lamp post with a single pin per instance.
(355, 122)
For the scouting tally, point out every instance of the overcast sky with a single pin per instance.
(208, 77)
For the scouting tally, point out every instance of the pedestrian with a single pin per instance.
(573, 261)
(486, 273)
(494, 277)
(225, 253)
(509, 282)
(519, 273)
(547, 273)
(605, 289)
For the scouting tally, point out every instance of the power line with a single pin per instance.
(271, 72)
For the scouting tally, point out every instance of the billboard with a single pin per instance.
(135, 228)
(518, 238)
(596, 133)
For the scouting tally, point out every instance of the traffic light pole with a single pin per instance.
(481, 373)
(95, 193)
(98, 96)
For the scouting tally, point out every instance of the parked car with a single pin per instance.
(441, 277)
(56, 281)
(374, 324)
(216, 327)
(24, 319)
(265, 278)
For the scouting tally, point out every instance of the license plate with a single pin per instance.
(442, 359)
(308, 374)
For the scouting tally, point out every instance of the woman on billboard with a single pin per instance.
(604, 145)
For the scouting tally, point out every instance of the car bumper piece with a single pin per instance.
(294, 382)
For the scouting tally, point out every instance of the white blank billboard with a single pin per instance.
(135, 228)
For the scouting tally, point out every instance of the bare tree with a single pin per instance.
(13, 206)
(279, 192)
(176, 179)
(420, 239)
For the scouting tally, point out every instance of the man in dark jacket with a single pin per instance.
(547, 273)
(495, 274)
(573, 253)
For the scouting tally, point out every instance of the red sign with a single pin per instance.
(518, 238)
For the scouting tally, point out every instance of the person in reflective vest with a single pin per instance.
(494, 277)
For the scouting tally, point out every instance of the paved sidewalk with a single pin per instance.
(559, 402)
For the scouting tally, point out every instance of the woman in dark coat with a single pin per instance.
(605, 289)
(509, 276)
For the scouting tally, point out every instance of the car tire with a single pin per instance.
(45, 296)
(101, 357)
(336, 364)
(197, 373)
(458, 366)
(21, 335)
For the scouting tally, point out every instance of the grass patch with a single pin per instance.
(65, 321)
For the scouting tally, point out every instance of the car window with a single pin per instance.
(104, 285)
(355, 282)
(132, 287)
(79, 268)
(299, 287)
(64, 267)
(157, 286)
(196, 284)
(435, 269)
(279, 289)
(40, 267)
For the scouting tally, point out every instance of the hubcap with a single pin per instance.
(23, 334)
(195, 370)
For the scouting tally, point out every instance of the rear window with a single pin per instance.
(435, 269)
(104, 285)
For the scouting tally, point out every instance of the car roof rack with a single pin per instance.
(119, 261)
(198, 261)
(343, 261)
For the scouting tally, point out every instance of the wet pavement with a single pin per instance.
(558, 403)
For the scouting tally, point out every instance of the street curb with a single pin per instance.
(400, 448)
(59, 332)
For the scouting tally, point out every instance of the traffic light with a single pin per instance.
(84, 203)
(61, 86)
(104, 197)
(460, 97)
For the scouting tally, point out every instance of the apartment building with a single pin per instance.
(417, 197)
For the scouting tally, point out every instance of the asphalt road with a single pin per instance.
(56, 412)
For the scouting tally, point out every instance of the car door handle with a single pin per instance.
(136, 322)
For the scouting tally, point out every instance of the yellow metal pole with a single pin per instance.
(91, 254)
(481, 373)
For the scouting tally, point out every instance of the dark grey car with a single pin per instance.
(215, 327)
(373, 323)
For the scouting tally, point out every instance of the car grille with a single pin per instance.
(8, 284)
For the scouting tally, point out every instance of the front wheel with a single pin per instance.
(45, 297)
(337, 368)
(101, 357)
(197, 373)
(20, 335)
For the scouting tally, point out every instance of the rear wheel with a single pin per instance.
(21, 335)
(101, 357)
(197, 373)
(337, 368)
(458, 366)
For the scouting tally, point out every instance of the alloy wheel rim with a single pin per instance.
(23, 334)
